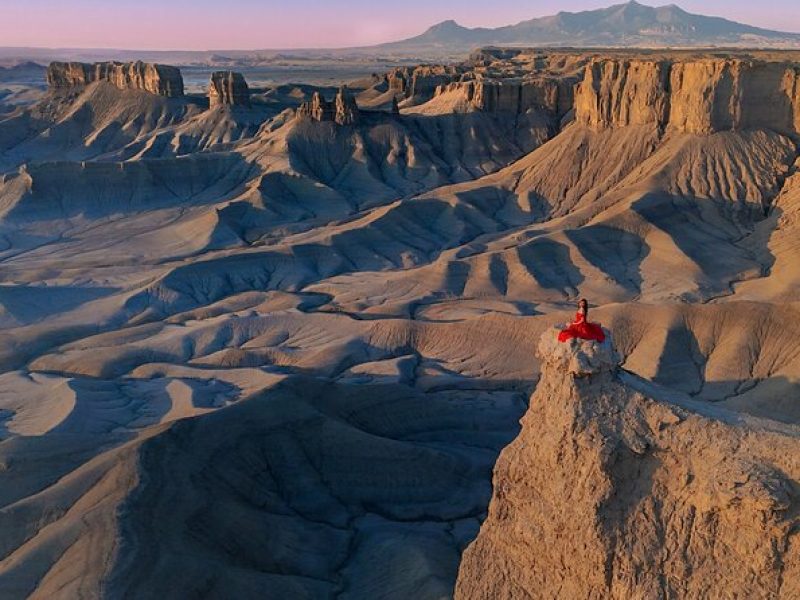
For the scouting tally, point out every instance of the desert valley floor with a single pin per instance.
(271, 343)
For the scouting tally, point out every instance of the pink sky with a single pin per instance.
(249, 24)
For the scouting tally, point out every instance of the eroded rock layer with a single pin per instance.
(698, 93)
(163, 80)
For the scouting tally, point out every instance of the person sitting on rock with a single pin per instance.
(581, 328)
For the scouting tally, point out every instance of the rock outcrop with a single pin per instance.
(397, 80)
(342, 110)
(693, 96)
(420, 84)
(607, 493)
(163, 80)
(228, 88)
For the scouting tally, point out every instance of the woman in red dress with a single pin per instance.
(581, 328)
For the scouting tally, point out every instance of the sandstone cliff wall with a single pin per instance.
(552, 95)
(701, 96)
(621, 93)
(162, 80)
(607, 493)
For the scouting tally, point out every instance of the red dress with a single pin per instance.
(582, 329)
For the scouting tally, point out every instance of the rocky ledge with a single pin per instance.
(162, 80)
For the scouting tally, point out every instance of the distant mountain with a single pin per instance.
(22, 72)
(630, 24)
(621, 25)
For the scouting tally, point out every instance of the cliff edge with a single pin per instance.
(607, 493)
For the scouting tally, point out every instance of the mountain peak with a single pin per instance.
(445, 26)
(633, 7)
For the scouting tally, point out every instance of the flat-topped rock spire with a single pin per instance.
(228, 88)
(342, 109)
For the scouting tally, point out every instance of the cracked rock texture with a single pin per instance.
(607, 493)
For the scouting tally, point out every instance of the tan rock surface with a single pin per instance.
(690, 96)
(553, 96)
(608, 493)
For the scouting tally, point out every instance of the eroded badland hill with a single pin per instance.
(271, 342)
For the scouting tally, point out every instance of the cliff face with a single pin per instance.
(552, 95)
(735, 94)
(162, 80)
(609, 494)
(621, 93)
(342, 109)
(699, 96)
(69, 74)
(228, 88)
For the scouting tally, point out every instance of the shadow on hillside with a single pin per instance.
(709, 232)
(682, 367)
(615, 252)
(549, 263)
(95, 190)
(30, 304)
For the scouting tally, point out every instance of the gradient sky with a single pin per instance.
(253, 24)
